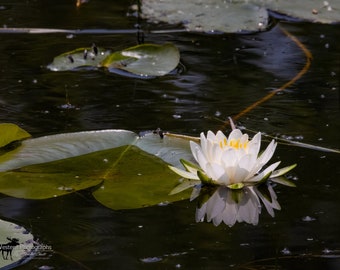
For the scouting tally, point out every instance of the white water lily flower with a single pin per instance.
(233, 162)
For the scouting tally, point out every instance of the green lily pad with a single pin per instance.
(145, 59)
(82, 57)
(20, 243)
(207, 16)
(137, 180)
(128, 171)
(308, 10)
(236, 16)
(11, 133)
(130, 178)
(61, 146)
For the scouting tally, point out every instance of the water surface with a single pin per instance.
(224, 74)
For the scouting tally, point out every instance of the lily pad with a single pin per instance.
(11, 133)
(137, 180)
(20, 245)
(207, 16)
(145, 59)
(61, 146)
(82, 57)
(130, 178)
(128, 171)
(236, 16)
(308, 10)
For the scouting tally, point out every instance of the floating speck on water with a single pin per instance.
(310, 239)
(178, 265)
(105, 160)
(70, 36)
(151, 259)
(218, 113)
(176, 116)
(308, 219)
(266, 119)
(322, 36)
(286, 251)
(46, 267)
(327, 45)
(140, 226)
(299, 137)
(326, 251)
(139, 174)
(68, 106)
(163, 204)
(35, 81)
(322, 96)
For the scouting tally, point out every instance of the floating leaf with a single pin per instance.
(11, 133)
(20, 242)
(131, 178)
(132, 170)
(235, 16)
(81, 57)
(208, 16)
(145, 59)
(61, 146)
(310, 10)
(136, 180)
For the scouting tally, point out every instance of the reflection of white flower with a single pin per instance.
(231, 206)
(233, 162)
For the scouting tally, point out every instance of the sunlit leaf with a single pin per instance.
(20, 240)
(61, 146)
(137, 180)
(10, 133)
(170, 149)
(129, 178)
(91, 56)
(145, 59)
(235, 16)
(212, 16)
(309, 10)
(133, 170)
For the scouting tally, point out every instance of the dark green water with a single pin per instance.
(224, 74)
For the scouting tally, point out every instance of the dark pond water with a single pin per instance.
(224, 74)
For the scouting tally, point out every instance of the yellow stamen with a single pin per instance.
(233, 143)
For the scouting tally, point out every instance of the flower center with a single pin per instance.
(233, 143)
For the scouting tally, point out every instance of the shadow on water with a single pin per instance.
(224, 74)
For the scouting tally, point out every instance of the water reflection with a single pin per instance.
(222, 204)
